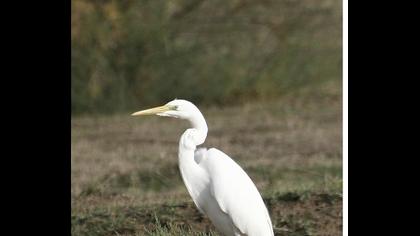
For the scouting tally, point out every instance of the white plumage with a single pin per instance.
(219, 187)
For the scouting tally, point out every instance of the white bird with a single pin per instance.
(219, 187)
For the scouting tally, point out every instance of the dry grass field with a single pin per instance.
(125, 178)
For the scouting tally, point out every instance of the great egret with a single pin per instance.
(219, 187)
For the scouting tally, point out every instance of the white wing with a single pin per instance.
(236, 194)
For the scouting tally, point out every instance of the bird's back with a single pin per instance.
(235, 196)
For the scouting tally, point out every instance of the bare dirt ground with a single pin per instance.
(125, 178)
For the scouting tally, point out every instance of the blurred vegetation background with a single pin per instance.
(266, 74)
(132, 53)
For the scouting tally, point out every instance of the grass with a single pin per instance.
(125, 178)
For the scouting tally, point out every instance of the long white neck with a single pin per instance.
(199, 126)
(196, 135)
(191, 173)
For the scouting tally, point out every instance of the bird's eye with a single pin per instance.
(174, 107)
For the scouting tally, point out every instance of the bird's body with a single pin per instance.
(219, 187)
(232, 201)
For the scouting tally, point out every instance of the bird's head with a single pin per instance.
(177, 108)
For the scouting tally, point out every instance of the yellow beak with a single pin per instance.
(152, 111)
